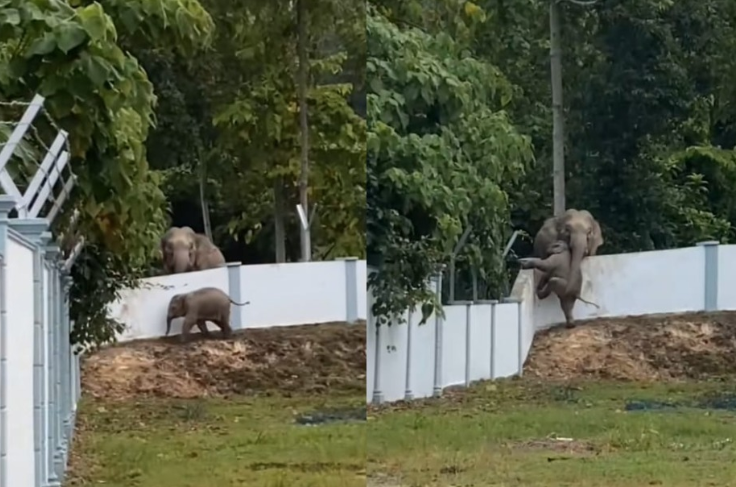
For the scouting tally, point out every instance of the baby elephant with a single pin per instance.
(198, 307)
(556, 270)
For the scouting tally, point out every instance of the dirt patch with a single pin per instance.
(557, 445)
(310, 359)
(646, 348)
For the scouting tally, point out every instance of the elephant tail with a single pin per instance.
(239, 304)
(588, 302)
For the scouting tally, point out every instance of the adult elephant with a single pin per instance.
(179, 250)
(580, 231)
(184, 250)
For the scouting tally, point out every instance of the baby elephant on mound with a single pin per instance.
(198, 307)
(556, 273)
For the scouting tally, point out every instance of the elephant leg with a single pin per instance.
(227, 331)
(189, 321)
(541, 279)
(558, 285)
(543, 292)
(567, 303)
(543, 289)
(202, 325)
(544, 265)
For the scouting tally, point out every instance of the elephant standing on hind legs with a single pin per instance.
(580, 231)
(556, 274)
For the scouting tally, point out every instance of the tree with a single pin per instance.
(441, 149)
(259, 123)
(100, 95)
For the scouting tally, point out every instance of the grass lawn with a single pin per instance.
(521, 433)
(217, 443)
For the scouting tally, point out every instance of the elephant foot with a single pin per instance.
(569, 325)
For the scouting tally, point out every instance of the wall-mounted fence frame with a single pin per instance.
(469, 341)
(39, 451)
(40, 188)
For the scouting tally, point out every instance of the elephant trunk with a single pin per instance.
(578, 247)
(169, 319)
(181, 261)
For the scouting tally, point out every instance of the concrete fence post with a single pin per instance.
(351, 289)
(52, 254)
(7, 203)
(34, 229)
(65, 356)
(710, 297)
(438, 385)
(377, 392)
(408, 394)
(234, 290)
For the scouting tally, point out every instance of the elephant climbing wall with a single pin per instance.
(490, 339)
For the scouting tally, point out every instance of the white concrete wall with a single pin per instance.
(39, 390)
(19, 365)
(143, 310)
(665, 281)
(495, 342)
(279, 295)
(727, 277)
(293, 294)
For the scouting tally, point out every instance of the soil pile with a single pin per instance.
(296, 359)
(654, 347)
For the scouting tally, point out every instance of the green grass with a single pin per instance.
(503, 435)
(217, 443)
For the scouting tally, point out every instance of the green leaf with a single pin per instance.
(69, 36)
(98, 70)
(9, 16)
(42, 46)
(94, 21)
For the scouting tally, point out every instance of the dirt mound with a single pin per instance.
(296, 359)
(686, 346)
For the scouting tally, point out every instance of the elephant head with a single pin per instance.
(583, 233)
(175, 310)
(179, 249)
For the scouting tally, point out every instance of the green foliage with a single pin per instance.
(99, 94)
(441, 149)
(650, 127)
(258, 124)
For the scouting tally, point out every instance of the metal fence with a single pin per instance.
(39, 371)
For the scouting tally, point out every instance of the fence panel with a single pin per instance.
(18, 381)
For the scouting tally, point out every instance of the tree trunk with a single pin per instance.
(303, 125)
(203, 200)
(278, 220)
(558, 117)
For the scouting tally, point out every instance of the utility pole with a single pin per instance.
(301, 15)
(558, 115)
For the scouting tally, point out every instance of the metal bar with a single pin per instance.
(49, 183)
(48, 160)
(7, 151)
(66, 191)
(69, 263)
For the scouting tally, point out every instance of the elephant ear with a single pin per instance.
(165, 239)
(595, 237)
